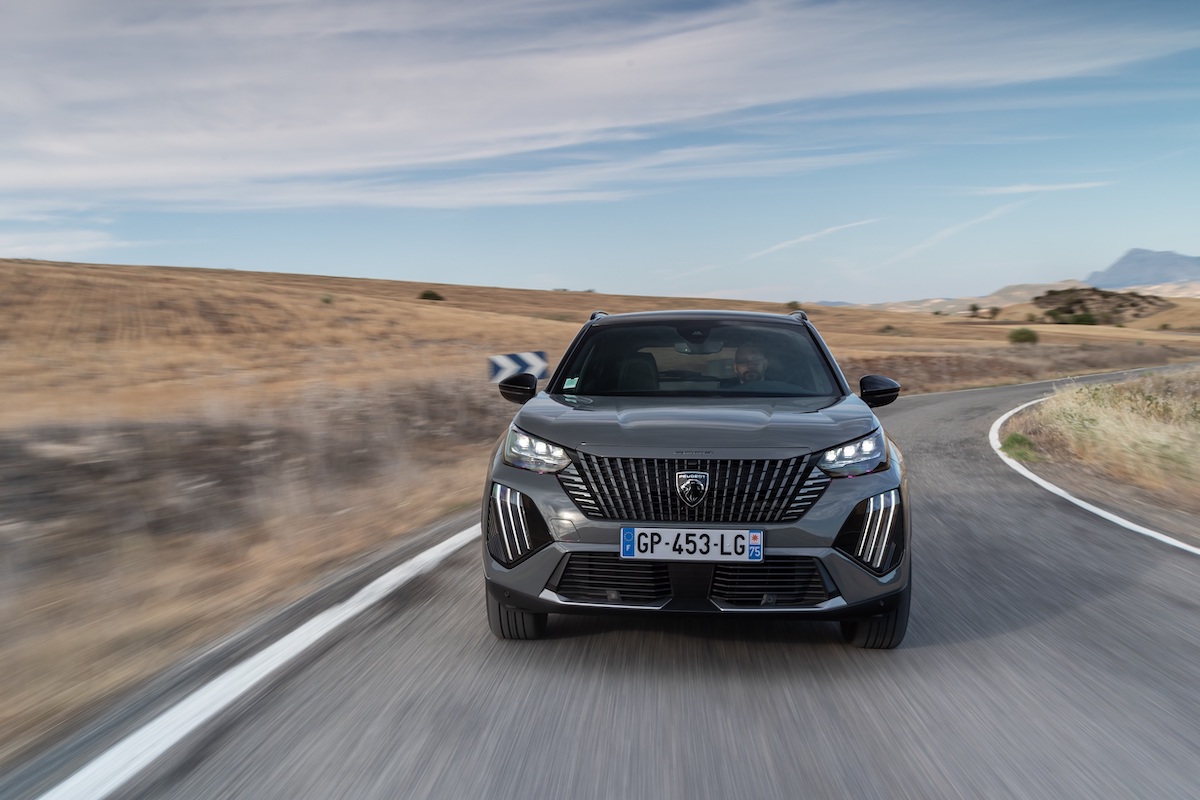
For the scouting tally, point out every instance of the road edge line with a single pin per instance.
(994, 439)
(121, 763)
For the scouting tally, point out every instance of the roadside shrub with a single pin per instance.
(1023, 336)
(1020, 447)
(327, 299)
(1083, 319)
(430, 294)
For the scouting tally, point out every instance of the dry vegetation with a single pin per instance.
(182, 448)
(1143, 432)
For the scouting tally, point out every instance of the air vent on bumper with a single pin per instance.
(515, 527)
(873, 534)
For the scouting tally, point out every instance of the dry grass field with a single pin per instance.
(1142, 433)
(181, 449)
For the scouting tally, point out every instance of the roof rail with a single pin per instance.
(798, 314)
(597, 315)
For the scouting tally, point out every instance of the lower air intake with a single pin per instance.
(793, 581)
(607, 578)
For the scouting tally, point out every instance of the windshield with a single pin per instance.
(701, 357)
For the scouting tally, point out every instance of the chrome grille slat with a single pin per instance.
(740, 490)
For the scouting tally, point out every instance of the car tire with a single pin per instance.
(513, 623)
(882, 632)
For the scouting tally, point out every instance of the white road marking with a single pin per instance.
(116, 766)
(994, 438)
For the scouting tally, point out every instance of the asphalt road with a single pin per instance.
(1050, 655)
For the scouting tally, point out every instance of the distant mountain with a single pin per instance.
(1144, 267)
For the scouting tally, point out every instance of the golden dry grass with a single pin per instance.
(101, 342)
(127, 576)
(1144, 432)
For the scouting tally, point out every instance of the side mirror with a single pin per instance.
(876, 390)
(519, 388)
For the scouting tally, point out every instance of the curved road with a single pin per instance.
(1051, 655)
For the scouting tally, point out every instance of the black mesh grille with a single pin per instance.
(606, 578)
(778, 581)
(752, 491)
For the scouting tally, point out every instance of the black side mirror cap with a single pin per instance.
(876, 390)
(519, 388)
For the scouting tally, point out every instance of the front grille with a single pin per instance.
(778, 581)
(756, 491)
(607, 578)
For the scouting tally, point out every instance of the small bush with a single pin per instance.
(1166, 326)
(327, 299)
(1020, 447)
(793, 305)
(1083, 319)
(1023, 336)
(430, 294)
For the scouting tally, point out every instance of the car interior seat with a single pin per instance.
(638, 373)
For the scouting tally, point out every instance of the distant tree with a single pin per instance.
(994, 312)
(793, 305)
(430, 294)
(974, 309)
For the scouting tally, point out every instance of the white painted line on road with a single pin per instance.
(994, 437)
(124, 760)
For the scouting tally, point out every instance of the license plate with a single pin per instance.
(679, 544)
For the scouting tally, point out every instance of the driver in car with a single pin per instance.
(749, 363)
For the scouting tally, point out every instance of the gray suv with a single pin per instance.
(709, 462)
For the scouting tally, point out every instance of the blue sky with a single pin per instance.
(868, 150)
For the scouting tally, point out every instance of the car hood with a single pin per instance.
(697, 427)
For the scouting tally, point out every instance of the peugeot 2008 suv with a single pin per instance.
(700, 462)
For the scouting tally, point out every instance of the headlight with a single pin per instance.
(529, 452)
(856, 458)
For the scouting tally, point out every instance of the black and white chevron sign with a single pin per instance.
(515, 363)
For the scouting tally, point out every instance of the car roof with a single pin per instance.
(601, 318)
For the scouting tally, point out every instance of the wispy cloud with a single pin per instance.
(1036, 188)
(57, 243)
(314, 102)
(810, 237)
(954, 230)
